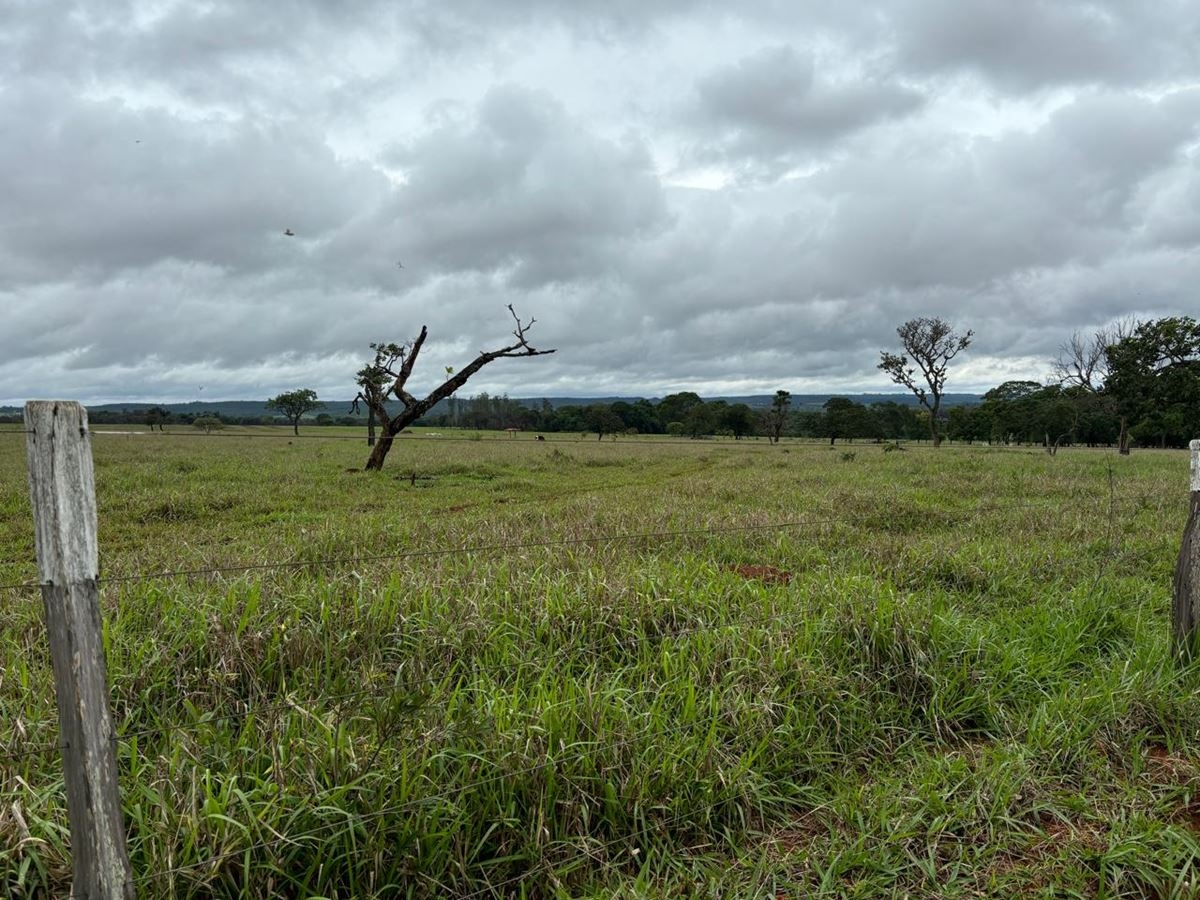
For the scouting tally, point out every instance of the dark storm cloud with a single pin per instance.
(1021, 168)
(773, 107)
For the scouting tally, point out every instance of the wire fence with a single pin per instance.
(599, 852)
(625, 642)
(8, 753)
(520, 546)
(530, 436)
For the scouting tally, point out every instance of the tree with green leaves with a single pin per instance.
(738, 419)
(385, 379)
(777, 415)
(846, 419)
(156, 415)
(1154, 378)
(929, 344)
(293, 405)
(208, 424)
(601, 419)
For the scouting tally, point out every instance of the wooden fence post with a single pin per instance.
(62, 488)
(1185, 610)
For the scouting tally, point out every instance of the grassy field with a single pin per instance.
(619, 669)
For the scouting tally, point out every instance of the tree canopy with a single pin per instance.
(294, 405)
(929, 345)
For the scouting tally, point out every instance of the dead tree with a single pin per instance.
(1084, 365)
(386, 378)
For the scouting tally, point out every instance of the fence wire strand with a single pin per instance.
(581, 750)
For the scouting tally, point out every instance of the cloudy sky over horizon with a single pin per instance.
(686, 195)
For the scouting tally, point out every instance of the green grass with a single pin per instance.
(465, 686)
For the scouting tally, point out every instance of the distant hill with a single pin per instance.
(241, 409)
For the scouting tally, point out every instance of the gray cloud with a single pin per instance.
(519, 187)
(771, 108)
(1025, 44)
(678, 206)
(102, 189)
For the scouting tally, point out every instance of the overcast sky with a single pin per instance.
(722, 197)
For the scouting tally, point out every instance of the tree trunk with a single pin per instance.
(379, 453)
(1123, 440)
(934, 434)
(371, 430)
(296, 428)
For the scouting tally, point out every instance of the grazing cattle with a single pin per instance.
(541, 437)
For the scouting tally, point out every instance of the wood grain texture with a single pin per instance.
(1185, 603)
(62, 489)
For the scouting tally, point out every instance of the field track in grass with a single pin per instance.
(634, 668)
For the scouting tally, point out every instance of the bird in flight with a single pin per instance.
(289, 232)
(399, 265)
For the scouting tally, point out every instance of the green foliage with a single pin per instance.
(1154, 377)
(929, 344)
(208, 423)
(294, 405)
(927, 707)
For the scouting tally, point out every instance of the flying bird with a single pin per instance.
(289, 232)
(399, 265)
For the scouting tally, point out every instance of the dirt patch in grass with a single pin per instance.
(765, 574)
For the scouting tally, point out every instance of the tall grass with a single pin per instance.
(961, 689)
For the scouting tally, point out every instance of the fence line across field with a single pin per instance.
(499, 548)
(569, 437)
(382, 692)
(58, 448)
(429, 552)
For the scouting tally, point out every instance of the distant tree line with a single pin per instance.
(1134, 383)
(685, 414)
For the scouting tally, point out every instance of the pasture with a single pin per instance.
(632, 668)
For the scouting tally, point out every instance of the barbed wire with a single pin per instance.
(8, 755)
(565, 437)
(383, 692)
(623, 641)
(424, 553)
(332, 562)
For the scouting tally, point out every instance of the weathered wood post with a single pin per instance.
(1186, 604)
(62, 488)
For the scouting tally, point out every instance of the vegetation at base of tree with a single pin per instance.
(928, 707)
